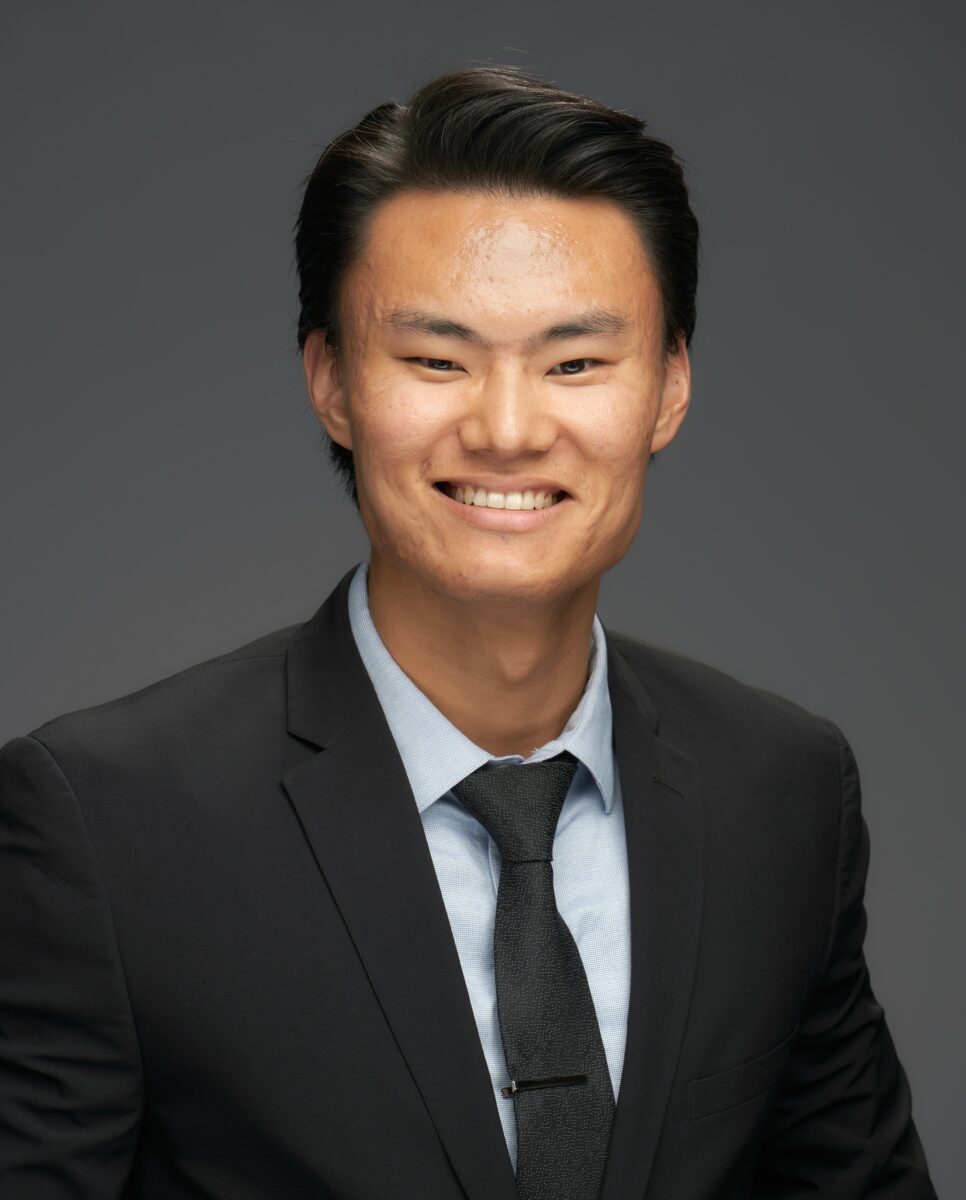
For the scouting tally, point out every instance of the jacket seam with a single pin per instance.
(839, 868)
(108, 906)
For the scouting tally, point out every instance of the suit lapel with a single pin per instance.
(356, 807)
(357, 810)
(665, 853)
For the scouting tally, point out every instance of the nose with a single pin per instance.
(507, 418)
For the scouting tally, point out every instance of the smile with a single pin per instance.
(482, 497)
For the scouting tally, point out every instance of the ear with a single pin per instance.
(324, 382)
(675, 397)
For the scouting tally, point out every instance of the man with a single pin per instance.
(449, 892)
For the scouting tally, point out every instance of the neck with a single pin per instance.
(506, 675)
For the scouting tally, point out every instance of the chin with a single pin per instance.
(534, 583)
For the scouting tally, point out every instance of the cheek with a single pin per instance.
(392, 425)
(615, 435)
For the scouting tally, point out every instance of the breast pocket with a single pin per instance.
(735, 1085)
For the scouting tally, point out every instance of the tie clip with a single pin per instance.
(527, 1085)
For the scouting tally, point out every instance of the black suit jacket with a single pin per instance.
(227, 970)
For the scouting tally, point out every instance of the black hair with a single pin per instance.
(491, 129)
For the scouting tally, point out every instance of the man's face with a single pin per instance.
(515, 347)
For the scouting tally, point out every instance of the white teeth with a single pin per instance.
(483, 498)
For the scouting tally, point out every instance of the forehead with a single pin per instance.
(500, 259)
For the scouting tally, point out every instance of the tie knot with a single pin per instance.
(519, 804)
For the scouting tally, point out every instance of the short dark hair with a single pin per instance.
(491, 129)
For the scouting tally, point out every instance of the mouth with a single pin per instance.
(529, 499)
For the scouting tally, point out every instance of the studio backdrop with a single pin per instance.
(166, 494)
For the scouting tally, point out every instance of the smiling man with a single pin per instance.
(503, 381)
(449, 891)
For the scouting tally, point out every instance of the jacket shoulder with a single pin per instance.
(221, 692)
(696, 700)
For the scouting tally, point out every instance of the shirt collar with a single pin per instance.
(435, 754)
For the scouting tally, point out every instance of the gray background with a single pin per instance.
(165, 496)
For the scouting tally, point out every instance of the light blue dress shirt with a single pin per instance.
(589, 850)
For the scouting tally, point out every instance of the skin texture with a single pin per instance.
(493, 624)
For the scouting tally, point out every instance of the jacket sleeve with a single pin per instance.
(842, 1126)
(70, 1072)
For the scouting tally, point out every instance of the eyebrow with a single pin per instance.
(593, 321)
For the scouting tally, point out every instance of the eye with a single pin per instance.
(442, 365)
(576, 362)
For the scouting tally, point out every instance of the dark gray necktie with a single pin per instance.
(561, 1089)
